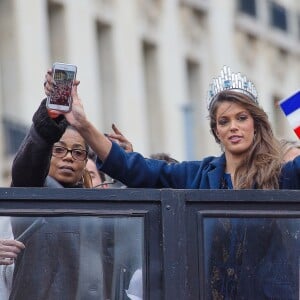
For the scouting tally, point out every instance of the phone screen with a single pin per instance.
(62, 90)
(60, 98)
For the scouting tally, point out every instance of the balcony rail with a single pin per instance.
(153, 244)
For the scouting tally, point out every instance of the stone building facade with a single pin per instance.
(145, 65)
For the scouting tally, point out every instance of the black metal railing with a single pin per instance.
(164, 244)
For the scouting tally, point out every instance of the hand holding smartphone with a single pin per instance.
(60, 98)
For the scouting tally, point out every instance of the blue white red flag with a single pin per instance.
(291, 108)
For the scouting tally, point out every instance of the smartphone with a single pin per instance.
(64, 75)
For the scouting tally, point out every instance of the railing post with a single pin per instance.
(174, 244)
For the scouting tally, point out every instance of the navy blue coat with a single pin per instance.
(261, 260)
(136, 171)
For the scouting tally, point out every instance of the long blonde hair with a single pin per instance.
(261, 166)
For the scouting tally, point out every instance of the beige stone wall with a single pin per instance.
(143, 63)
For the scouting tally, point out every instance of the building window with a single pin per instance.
(191, 108)
(57, 34)
(106, 68)
(248, 7)
(152, 96)
(14, 133)
(278, 16)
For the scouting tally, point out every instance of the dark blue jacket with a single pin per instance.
(136, 171)
(262, 254)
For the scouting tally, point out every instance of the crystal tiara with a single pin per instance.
(230, 81)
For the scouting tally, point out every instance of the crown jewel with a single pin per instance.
(230, 81)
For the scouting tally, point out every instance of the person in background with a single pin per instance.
(251, 159)
(98, 177)
(290, 149)
(164, 156)
(62, 259)
(9, 250)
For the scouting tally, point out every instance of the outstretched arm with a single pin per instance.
(77, 118)
(32, 161)
(130, 168)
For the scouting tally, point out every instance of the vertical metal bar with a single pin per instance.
(174, 244)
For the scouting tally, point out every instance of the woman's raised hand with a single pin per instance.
(120, 139)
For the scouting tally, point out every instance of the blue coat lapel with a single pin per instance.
(217, 172)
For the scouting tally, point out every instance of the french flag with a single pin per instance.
(291, 108)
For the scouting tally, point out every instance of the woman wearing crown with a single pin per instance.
(251, 159)
(251, 154)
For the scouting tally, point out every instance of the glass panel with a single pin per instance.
(278, 16)
(251, 258)
(68, 257)
(150, 55)
(14, 133)
(106, 73)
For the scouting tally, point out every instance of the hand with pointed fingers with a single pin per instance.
(120, 139)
